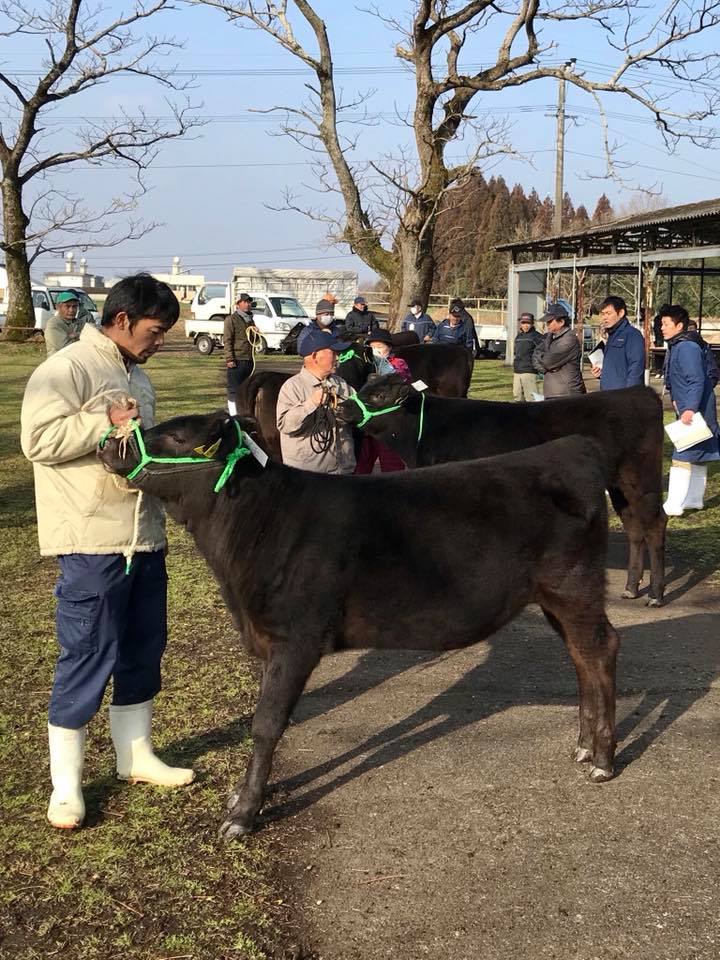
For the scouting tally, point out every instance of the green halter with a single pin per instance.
(368, 415)
(240, 450)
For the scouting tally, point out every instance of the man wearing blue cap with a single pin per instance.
(310, 436)
(360, 321)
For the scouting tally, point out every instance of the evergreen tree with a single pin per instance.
(603, 211)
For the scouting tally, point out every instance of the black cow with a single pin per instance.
(627, 423)
(446, 368)
(297, 562)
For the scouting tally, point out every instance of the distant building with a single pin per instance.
(75, 276)
(184, 285)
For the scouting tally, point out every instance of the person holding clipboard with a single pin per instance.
(693, 399)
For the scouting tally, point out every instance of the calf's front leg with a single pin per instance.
(283, 681)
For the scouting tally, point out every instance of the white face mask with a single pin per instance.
(380, 351)
(415, 311)
(325, 319)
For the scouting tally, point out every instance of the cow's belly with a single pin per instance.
(448, 624)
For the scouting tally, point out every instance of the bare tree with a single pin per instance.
(86, 47)
(647, 47)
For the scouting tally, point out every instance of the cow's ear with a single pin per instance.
(250, 426)
(406, 390)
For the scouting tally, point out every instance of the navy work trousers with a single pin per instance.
(109, 624)
(236, 376)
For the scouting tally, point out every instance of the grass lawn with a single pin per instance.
(148, 878)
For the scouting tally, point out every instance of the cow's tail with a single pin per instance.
(246, 397)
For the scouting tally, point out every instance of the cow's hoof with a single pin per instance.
(231, 829)
(582, 755)
(628, 594)
(653, 602)
(598, 775)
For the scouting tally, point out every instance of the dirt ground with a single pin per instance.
(432, 809)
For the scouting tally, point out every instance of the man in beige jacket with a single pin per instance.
(110, 542)
(305, 395)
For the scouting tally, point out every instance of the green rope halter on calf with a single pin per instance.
(237, 453)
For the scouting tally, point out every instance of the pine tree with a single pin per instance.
(603, 211)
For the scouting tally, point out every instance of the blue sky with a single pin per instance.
(211, 191)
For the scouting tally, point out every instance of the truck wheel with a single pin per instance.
(205, 344)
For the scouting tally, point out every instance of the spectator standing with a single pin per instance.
(384, 362)
(525, 381)
(691, 391)
(454, 329)
(311, 394)
(624, 353)
(324, 320)
(237, 347)
(558, 356)
(109, 541)
(64, 326)
(466, 317)
(360, 321)
(419, 322)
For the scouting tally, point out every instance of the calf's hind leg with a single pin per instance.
(592, 644)
(283, 681)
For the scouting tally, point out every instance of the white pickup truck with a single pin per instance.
(275, 314)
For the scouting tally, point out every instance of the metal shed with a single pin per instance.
(659, 246)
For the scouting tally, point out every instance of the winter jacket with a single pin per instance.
(461, 333)
(690, 388)
(525, 344)
(235, 342)
(59, 333)
(359, 323)
(423, 326)
(81, 508)
(624, 357)
(392, 364)
(294, 403)
(335, 327)
(558, 357)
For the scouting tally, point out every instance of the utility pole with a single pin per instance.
(559, 157)
(560, 152)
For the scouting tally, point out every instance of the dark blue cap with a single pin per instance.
(320, 340)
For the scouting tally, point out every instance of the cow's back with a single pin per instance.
(446, 368)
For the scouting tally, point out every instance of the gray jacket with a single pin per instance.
(293, 405)
(559, 357)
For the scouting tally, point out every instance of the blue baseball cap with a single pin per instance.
(321, 340)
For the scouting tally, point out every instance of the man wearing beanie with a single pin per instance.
(324, 320)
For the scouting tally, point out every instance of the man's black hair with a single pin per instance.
(617, 303)
(677, 314)
(141, 296)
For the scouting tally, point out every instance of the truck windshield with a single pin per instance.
(287, 307)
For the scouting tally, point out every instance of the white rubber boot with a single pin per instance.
(678, 487)
(695, 499)
(136, 762)
(67, 758)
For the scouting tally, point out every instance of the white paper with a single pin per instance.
(537, 397)
(419, 385)
(255, 450)
(596, 357)
(684, 435)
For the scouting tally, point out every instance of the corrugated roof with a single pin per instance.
(686, 211)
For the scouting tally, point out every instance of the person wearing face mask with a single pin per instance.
(419, 322)
(384, 362)
(324, 320)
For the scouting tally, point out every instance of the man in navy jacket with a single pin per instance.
(624, 357)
